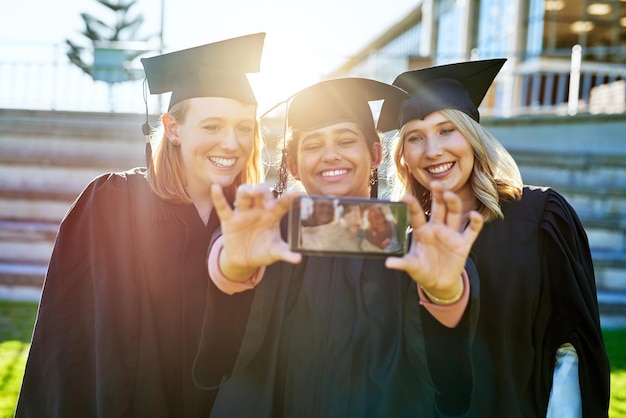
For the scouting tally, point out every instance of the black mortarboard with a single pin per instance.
(214, 70)
(460, 86)
(336, 100)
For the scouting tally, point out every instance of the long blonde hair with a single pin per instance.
(494, 179)
(165, 174)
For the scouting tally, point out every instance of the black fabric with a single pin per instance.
(537, 292)
(328, 337)
(120, 316)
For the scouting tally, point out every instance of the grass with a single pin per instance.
(16, 324)
(17, 319)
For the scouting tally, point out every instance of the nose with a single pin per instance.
(229, 142)
(433, 148)
(330, 154)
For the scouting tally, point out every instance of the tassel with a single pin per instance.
(283, 176)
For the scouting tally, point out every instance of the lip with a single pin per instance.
(224, 163)
(333, 175)
(439, 170)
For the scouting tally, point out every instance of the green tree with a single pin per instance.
(113, 35)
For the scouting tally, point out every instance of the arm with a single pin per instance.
(222, 282)
(565, 400)
(575, 317)
(448, 314)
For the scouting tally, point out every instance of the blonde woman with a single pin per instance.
(538, 349)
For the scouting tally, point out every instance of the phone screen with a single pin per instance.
(334, 226)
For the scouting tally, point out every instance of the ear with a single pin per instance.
(292, 166)
(170, 127)
(377, 155)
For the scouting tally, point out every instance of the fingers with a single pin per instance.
(446, 207)
(453, 209)
(397, 263)
(281, 205)
(416, 213)
(224, 212)
(247, 197)
(476, 223)
(283, 253)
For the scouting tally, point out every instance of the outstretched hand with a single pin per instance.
(251, 231)
(441, 245)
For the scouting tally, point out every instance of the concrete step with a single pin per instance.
(60, 124)
(45, 182)
(33, 210)
(73, 152)
(610, 269)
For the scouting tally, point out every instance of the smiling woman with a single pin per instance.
(129, 266)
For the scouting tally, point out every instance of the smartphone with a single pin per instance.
(347, 226)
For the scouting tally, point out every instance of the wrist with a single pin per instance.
(231, 271)
(447, 299)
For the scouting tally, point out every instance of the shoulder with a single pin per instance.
(110, 191)
(532, 203)
(539, 204)
(133, 178)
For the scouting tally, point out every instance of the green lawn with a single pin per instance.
(17, 318)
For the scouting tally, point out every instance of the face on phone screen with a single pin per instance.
(323, 225)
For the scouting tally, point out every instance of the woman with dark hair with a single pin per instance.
(288, 335)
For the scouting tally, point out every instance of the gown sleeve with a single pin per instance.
(223, 328)
(567, 265)
(75, 368)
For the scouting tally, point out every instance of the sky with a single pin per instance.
(305, 39)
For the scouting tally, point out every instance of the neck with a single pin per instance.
(203, 204)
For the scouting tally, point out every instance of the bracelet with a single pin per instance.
(450, 301)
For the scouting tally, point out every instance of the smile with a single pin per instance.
(223, 162)
(438, 169)
(333, 173)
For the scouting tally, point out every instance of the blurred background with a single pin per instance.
(72, 96)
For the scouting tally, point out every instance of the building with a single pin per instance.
(544, 40)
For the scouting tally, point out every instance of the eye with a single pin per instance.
(311, 146)
(212, 128)
(245, 129)
(448, 130)
(414, 138)
(346, 142)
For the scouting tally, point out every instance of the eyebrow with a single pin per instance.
(437, 125)
(339, 131)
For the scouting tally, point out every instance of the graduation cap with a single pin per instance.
(214, 70)
(337, 100)
(460, 86)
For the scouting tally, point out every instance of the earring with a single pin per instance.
(374, 183)
(374, 177)
(175, 142)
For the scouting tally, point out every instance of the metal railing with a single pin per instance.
(539, 85)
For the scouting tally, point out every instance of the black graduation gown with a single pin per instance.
(537, 291)
(329, 337)
(121, 309)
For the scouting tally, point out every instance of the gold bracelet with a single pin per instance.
(450, 301)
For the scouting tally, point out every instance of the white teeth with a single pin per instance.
(439, 169)
(334, 173)
(223, 162)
